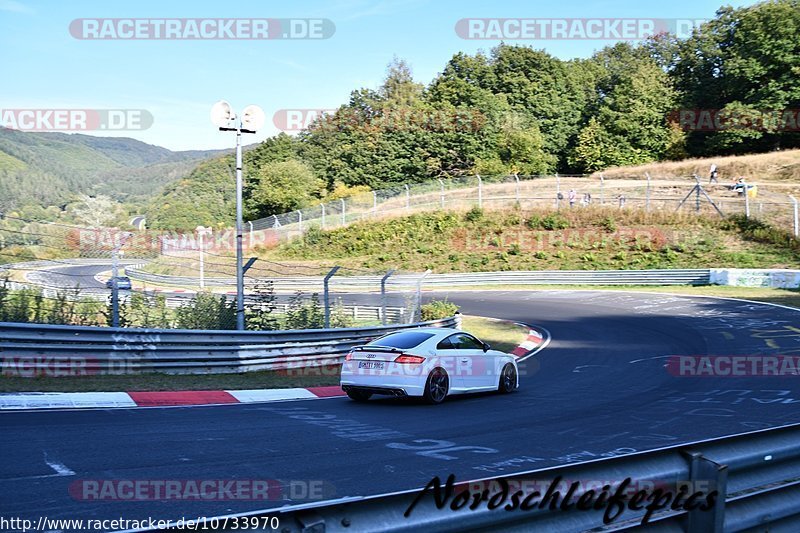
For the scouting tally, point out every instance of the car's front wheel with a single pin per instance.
(436, 386)
(359, 395)
(508, 379)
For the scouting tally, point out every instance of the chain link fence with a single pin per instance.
(650, 193)
(189, 277)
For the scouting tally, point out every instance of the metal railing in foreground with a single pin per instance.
(391, 314)
(102, 350)
(755, 475)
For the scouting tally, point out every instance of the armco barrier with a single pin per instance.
(534, 277)
(36, 349)
(754, 473)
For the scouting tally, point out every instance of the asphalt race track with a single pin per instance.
(599, 389)
(70, 276)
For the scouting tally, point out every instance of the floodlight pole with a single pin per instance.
(239, 222)
(239, 270)
(222, 115)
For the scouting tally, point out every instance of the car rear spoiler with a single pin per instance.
(377, 348)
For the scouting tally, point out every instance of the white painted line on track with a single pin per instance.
(650, 358)
(579, 369)
(60, 468)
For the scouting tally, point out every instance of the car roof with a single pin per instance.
(438, 331)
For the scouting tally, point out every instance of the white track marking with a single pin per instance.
(60, 468)
(578, 369)
(650, 358)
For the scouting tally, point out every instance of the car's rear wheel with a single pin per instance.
(508, 379)
(437, 386)
(359, 395)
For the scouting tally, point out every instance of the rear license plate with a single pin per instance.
(377, 365)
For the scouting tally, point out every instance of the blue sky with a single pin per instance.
(177, 81)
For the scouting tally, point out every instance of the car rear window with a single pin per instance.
(402, 339)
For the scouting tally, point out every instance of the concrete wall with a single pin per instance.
(740, 277)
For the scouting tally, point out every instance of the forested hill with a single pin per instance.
(51, 168)
(519, 109)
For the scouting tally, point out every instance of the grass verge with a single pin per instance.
(500, 334)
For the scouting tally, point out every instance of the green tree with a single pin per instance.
(630, 121)
(745, 62)
(282, 187)
(593, 149)
(206, 311)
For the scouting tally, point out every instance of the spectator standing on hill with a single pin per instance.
(712, 177)
(572, 196)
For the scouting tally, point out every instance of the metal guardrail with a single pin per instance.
(25, 264)
(575, 277)
(754, 473)
(61, 262)
(101, 350)
(533, 277)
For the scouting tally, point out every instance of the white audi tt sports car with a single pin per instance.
(427, 362)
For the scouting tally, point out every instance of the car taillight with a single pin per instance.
(348, 356)
(409, 359)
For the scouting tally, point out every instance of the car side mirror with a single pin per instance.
(486, 347)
